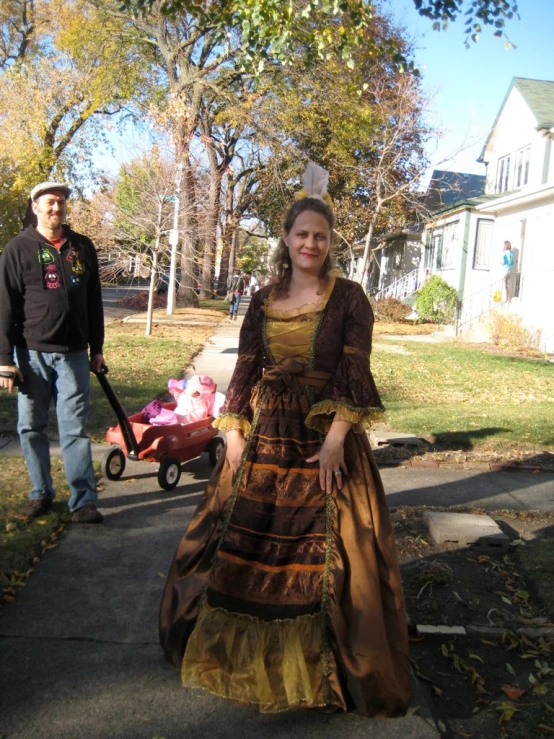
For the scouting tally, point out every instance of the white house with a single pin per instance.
(464, 241)
(398, 255)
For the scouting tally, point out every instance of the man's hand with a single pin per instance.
(96, 363)
(8, 383)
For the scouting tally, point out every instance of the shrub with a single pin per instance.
(436, 301)
(508, 332)
(391, 309)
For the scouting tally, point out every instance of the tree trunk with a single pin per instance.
(227, 254)
(152, 288)
(361, 272)
(186, 293)
(206, 289)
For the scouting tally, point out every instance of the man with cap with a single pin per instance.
(50, 316)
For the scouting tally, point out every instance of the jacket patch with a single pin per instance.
(51, 277)
(75, 280)
(45, 256)
(71, 255)
(78, 268)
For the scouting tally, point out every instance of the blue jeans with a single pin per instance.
(65, 378)
(234, 306)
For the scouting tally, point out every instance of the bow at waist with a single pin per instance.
(292, 373)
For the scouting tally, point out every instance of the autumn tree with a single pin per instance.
(268, 27)
(22, 27)
(68, 75)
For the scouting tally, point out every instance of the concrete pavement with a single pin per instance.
(79, 649)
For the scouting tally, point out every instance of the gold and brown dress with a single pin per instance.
(281, 595)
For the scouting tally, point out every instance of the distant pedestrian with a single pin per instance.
(50, 314)
(507, 266)
(236, 288)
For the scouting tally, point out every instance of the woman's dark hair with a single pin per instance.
(281, 268)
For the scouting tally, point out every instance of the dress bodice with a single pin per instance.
(290, 332)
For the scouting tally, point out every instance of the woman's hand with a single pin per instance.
(331, 456)
(235, 448)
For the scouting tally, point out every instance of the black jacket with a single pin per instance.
(50, 300)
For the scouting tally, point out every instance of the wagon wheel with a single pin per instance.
(169, 473)
(112, 465)
(215, 447)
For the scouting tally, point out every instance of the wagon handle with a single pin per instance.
(129, 438)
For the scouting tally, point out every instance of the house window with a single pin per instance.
(449, 241)
(502, 174)
(522, 166)
(433, 242)
(483, 244)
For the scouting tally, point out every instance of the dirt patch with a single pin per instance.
(394, 348)
(381, 328)
(139, 301)
(483, 684)
(180, 332)
(461, 458)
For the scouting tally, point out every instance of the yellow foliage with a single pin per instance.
(509, 332)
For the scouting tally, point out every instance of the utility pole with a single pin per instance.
(174, 241)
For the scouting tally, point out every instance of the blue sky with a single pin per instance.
(469, 85)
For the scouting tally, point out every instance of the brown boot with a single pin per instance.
(37, 508)
(87, 514)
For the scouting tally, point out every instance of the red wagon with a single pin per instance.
(169, 445)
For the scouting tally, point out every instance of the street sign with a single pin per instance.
(173, 237)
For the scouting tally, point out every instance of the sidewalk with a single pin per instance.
(80, 654)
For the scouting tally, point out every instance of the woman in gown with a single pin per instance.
(285, 589)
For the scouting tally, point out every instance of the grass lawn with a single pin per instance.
(464, 397)
(218, 304)
(22, 541)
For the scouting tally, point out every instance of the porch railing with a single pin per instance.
(401, 288)
(479, 303)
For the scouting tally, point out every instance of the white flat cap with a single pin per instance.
(47, 186)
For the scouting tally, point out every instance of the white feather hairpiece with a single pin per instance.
(314, 183)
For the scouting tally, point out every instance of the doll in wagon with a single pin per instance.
(196, 399)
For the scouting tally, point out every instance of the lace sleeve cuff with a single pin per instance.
(232, 422)
(322, 415)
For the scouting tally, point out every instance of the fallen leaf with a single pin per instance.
(510, 669)
(545, 727)
(508, 709)
(477, 658)
(541, 689)
(161, 574)
(513, 693)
